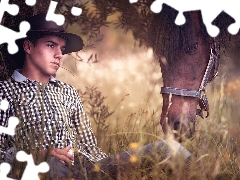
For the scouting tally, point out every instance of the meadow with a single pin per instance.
(119, 84)
(121, 96)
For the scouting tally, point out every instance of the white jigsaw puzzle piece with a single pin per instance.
(230, 7)
(9, 36)
(133, 1)
(12, 123)
(30, 2)
(180, 5)
(76, 11)
(4, 104)
(12, 9)
(59, 18)
(210, 10)
(31, 171)
(4, 170)
(51, 16)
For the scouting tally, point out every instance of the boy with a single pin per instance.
(51, 114)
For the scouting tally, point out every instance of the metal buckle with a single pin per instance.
(203, 103)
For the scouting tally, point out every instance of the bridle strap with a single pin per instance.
(200, 93)
(213, 61)
(180, 92)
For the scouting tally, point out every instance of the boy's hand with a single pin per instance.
(62, 154)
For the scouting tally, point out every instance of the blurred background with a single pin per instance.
(127, 74)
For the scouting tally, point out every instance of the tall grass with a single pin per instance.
(214, 147)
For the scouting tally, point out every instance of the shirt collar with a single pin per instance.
(17, 76)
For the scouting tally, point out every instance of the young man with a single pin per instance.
(51, 114)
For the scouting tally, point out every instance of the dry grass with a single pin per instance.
(135, 121)
(214, 147)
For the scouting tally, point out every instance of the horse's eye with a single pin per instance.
(191, 49)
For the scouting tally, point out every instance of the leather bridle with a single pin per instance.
(213, 64)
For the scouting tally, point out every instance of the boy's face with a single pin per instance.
(46, 55)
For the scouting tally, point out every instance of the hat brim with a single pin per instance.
(74, 43)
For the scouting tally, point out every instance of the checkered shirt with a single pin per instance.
(50, 115)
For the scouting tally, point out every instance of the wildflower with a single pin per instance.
(133, 159)
(134, 145)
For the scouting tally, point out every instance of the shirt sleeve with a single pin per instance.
(6, 141)
(85, 139)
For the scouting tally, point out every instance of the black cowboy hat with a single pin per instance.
(39, 27)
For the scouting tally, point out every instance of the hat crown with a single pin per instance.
(39, 23)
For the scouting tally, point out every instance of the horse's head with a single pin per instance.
(183, 53)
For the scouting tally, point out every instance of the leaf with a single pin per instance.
(99, 39)
(80, 59)
(90, 58)
(96, 56)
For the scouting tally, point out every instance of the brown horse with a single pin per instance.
(189, 59)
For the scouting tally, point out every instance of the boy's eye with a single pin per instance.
(63, 49)
(50, 45)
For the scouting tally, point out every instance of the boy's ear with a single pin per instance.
(27, 46)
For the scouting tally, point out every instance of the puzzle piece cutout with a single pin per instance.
(58, 18)
(9, 36)
(30, 2)
(76, 11)
(12, 121)
(12, 9)
(133, 1)
(210, 10)
(4, 104)
(51, 16)
(4, 170)
(31, 171)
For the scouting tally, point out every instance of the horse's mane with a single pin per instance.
(167, 38)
